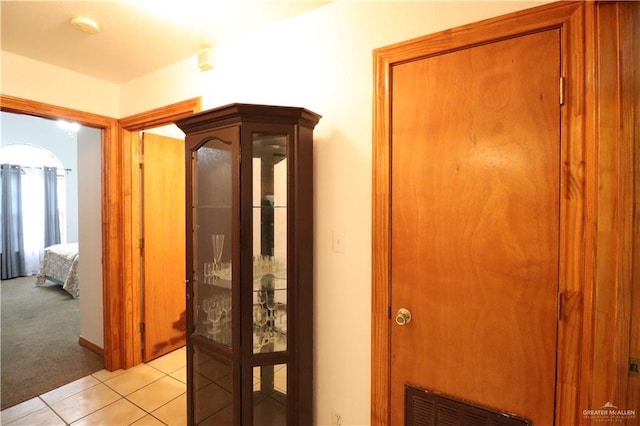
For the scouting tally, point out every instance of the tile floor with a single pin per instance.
(146, 395)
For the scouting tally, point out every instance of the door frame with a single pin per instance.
(122, 345)
(595, 285)
(111, 195)
(131, 125)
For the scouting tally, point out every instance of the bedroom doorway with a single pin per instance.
(37, 144)
(44, 321)
(122, 343)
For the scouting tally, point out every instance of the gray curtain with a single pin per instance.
(12, 262)
(51, 217)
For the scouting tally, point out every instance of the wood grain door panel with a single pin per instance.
(163, 223)
(475, 184)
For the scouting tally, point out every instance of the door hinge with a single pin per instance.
(562, 81)
(140, 243)
(141, 328)
(559, 302)
(140, 159)
(634, 367)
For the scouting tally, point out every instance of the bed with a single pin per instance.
(60, 266)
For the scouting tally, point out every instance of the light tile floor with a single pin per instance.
(145, 395)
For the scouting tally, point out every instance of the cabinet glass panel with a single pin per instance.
(213, 389)
(270, 395)
(269, 197)
(212, 191)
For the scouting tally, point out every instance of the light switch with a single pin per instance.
(338, 242)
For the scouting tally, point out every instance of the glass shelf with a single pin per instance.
(226, 275)
(209, 206)
(264, 267)
(217, 282)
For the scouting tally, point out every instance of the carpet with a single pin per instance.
(39, 350)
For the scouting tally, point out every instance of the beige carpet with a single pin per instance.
(39, 340)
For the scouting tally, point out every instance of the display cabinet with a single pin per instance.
(249, 265)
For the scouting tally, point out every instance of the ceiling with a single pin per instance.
(136, 36)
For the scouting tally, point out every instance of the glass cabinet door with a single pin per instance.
(212, 281)
(269, 200)
(212, 241)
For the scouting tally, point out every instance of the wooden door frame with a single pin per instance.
(599, 239)
(612, 314)
(111, 205)
(132, 301)
(122, 346)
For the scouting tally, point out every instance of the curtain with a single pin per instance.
(33, 207)
(30, 223)
(12, 246)
(51, 218)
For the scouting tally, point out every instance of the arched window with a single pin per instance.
(29, 156)
(33, 160)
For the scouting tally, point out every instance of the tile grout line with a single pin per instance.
(146, 412)
(49, 407)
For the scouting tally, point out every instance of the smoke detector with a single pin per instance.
(205, 59)
(85, 24)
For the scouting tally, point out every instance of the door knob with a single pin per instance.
(403, 316)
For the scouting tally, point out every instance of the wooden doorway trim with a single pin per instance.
(130, 300)
(119, 297)
(569, 16)
(613, 179)
(111, 210)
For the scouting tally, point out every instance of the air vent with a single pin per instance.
(427, 408)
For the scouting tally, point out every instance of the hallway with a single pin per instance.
(149, 394)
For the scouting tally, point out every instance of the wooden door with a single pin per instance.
(475, 188)
(163, 230)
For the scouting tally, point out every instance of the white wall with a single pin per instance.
(29, 79)
(322, 61)
(90, 232)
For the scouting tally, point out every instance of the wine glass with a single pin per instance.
(214, 313)
(261, 297)
(260, 315)
(218, 245)
(281, 315)
(208, 269)
(225, 305)
(272, 306)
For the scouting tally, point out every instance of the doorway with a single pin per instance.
(140, 342)
(122, 340)
(45, 316)
(107, 128)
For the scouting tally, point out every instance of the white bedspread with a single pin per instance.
(60, 265)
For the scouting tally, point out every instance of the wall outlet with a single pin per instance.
(336, 419)
(337, 241)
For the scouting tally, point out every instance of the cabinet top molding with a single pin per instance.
(238, 112)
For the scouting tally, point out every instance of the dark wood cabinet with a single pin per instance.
(249, 195)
